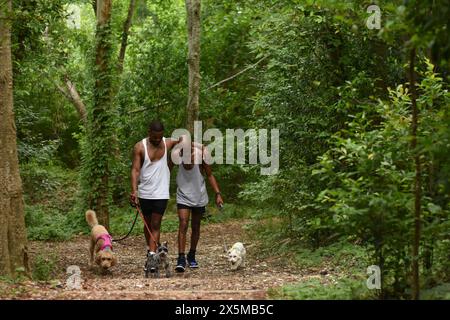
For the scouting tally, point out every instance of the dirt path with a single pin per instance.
(213, 280)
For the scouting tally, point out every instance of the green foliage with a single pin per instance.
(230, 211)
(371, 172)
(44, 117)
(346, 162)
(307, 93)
(49, 184)
(170, 224)
(44, 223)
(20, 277)
(44, 267)
(345, 264)
(344, 257)
(50, 196)
(315, 289)
(121, 220)
(441, 292)
(336, 90)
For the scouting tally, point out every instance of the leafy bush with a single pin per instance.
(441, 292)
(370, 174)
(315, 289)
(50, 197)
(342, 256)
(309, 88)
(345, 264)
(44, 267)
(44, 223)
(49, 184)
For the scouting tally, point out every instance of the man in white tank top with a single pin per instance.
(192, 199)
(150, 179)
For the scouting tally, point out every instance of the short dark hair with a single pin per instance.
(156, 126)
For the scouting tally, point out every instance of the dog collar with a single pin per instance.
(106, 241)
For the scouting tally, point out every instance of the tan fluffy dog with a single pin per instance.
(100, 244)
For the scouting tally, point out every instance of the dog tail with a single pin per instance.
(91, 218)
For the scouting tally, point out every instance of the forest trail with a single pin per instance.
(213, 280)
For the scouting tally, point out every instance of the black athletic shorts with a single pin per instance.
(149, 206)
(200, 210)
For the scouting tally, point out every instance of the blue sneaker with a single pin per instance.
(181, 264)
(192, 263)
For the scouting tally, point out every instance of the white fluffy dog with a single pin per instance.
(236, 255)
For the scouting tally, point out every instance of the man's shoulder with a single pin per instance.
(138, 146)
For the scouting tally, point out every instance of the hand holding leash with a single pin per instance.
(219, 200)
(134, 202)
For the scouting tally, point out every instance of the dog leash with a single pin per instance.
(225, 249)
(138, 209)
(129, 232)
(138, 212)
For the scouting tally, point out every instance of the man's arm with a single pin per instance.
(170, 143)
(135, 171)
(213, 183)
(170, 163)
(182, 142)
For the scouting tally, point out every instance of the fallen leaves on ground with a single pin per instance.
(213, 280)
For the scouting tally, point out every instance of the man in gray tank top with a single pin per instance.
(192, 199)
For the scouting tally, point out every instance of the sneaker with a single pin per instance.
(181, 264)
(192, 263)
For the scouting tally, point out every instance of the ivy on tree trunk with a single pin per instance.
(100, 130)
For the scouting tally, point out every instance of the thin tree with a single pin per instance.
(417, 180)
(13, 240)
(193, 9)
(71, 93)
(126, 30)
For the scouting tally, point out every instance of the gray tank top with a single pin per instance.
(191, 190)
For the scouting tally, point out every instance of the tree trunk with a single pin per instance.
(193, 8)
(100, 129)
(431, 192)
(126, 29)
(71, 93)
(417, 181)
(76, 99)
(13, 240)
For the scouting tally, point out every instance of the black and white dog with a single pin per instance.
(158, 261)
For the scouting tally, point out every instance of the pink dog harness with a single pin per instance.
(106, 241)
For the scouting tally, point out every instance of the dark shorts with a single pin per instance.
(149, 206)
(198, 210)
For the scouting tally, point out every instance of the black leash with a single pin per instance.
(225, 249)
(129, 232)
(207, 218)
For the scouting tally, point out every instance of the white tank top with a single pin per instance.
(154, 178)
